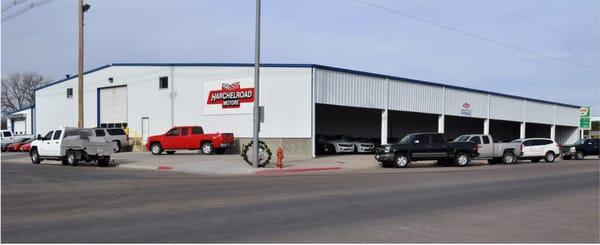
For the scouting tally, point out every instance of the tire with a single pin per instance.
(118, 146)
(462, 159)
(35, 157)
(220, 151)
(566, 157)
(170, 152)
(401, 161)
(104, 161)
(579, 155)
(549, 157)
(508, 158)
(207, 148)
(535, 160)
(156, 149)
(72, 158)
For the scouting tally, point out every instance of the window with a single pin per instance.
(437, 139)
(184, 131)
(100, 132)
(69, 93)
(48, 136)
(476, 140)
(57, 134)
(486, 139)
(116, 131)
(163, 82)
(173, 132)
(422, 138)
(197, 130)
(6, 134)
(527, 143)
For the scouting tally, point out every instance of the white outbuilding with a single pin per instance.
(301, 101)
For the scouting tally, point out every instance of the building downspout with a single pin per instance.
(172, 95)
(313, 113)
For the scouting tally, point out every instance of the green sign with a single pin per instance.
(585, 121)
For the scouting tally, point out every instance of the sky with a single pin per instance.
(341, 33)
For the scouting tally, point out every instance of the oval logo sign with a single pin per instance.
(466, 105)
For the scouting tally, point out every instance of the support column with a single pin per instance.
(522, 133)
(441, 123)
(486, 126)
(384, 127)
(553, 132)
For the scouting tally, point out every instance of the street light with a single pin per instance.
(256, 114)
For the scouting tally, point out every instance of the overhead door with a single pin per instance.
(19, 127)
(113, 106)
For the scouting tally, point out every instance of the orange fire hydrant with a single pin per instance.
(279, 158)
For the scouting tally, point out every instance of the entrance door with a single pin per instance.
(145, 129)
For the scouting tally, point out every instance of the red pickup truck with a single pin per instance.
(189, 138)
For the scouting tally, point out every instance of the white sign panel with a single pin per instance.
(230, 96)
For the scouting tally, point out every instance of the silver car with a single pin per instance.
(117, 135)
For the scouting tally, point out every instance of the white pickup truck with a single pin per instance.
(71, 145)
(493, 151)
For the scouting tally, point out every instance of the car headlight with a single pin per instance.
(572, 149)
(387, 149)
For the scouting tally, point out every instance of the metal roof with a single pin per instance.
(331, 68)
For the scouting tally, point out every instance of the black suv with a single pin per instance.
(425, 146)
(581, 148)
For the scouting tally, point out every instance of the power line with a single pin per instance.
(12, 4)
(29, 7)
(502, 44)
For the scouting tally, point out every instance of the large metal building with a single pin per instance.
(301, 101)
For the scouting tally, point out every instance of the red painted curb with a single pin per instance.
(164, 168)
(291, 170)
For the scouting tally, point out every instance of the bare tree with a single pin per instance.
(18, 90)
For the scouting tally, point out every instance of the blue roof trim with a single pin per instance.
(22, 109)
(330, 68)
(60, 81)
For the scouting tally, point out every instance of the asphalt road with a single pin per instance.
(543, 202)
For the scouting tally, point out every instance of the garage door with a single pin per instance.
(113, 106)
(19, 127)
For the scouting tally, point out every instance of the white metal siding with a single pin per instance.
(346, 89)
(567, 116)
(407, 96)
(455, 99)
(508, 109)
(537, 112)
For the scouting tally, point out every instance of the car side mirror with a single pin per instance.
(39, 137)
(417, 142)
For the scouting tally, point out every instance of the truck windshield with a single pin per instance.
(407, 139)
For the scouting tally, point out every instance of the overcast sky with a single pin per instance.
(341, 33)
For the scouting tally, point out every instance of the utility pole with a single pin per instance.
(81, 9)
(256, 115)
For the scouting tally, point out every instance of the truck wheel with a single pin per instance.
(566, 157)
(207, 148)
(72, 158)
(401, 160)
(156, 149)
(549, 157)
(462, 159)
(579, 155)
(35, 157)
(103, 161)
(508, 158)
(170, 152)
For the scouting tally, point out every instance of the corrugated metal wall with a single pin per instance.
(339, 87)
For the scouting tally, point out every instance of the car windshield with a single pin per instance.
(517, 141)
(579, 141)
(407, 139)
(461, 138)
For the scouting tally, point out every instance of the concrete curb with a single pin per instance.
(295, 170)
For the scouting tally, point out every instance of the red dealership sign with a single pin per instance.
(231, 95)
